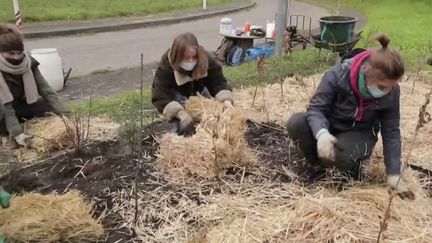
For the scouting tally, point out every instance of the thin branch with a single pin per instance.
(424, 117)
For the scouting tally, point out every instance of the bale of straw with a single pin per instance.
(201, 107)
(49, 218)
(183, 156)
(218, 144)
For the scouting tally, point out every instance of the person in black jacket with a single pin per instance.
(355, 100)
(186, 69)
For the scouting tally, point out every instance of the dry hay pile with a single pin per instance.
(54, 135)
(217, 145)
(250, 206)
(49, 218)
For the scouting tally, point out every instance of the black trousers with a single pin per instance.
(26, 111)
(352, 147)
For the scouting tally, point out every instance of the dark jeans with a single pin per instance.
(353, 146)
(24, 112)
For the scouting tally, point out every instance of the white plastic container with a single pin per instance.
(50, 66)
(225, 26)
(270, 27)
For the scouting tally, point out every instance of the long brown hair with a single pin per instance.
(178, 50)
(388, 61)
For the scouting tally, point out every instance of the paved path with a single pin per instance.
(121, 49)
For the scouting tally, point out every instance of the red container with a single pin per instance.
(247, 27)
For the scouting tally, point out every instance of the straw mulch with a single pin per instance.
(49, 218)
(271, 104)
(251, 206)
(351, 215)
(52, 135)
(218, 144)
(277, 102)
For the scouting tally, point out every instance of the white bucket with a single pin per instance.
(50, 66)
(270, 27)
(225, 26)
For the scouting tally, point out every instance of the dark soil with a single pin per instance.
(105, 168)
(97, 172)
(276, 149)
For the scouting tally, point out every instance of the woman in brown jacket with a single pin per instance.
(186, 69)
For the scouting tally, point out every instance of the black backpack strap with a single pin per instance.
(351, 54)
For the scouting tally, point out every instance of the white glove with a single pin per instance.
(326, 145)
(228, 104)
(401, 188)
(186, 123)
(23, 139)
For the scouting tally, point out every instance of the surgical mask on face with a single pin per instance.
(188, 66)
(375, 91)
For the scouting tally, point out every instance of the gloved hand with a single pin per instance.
(23, 139)
(326, 145)
(228, 104)
(4, 198)
(186, 123)
(401, 188)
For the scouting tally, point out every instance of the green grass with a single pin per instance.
(300, 62)
(117, 107)
(49, 10)
(125, 106)
(406, 21)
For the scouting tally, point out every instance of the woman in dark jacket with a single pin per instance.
(24, 93)
(355, 100)
(186, 69)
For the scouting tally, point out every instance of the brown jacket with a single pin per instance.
(169, 84)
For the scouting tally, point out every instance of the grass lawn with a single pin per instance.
(48, 10)
(406, 21)
(127, 104)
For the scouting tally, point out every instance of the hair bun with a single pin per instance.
(383, 39)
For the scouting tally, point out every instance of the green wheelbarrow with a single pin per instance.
(336, 34)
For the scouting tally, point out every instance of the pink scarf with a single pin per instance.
(354, 74)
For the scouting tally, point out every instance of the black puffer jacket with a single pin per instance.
(335, 107)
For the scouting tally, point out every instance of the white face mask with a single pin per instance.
(375, 91)
(188, 66)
